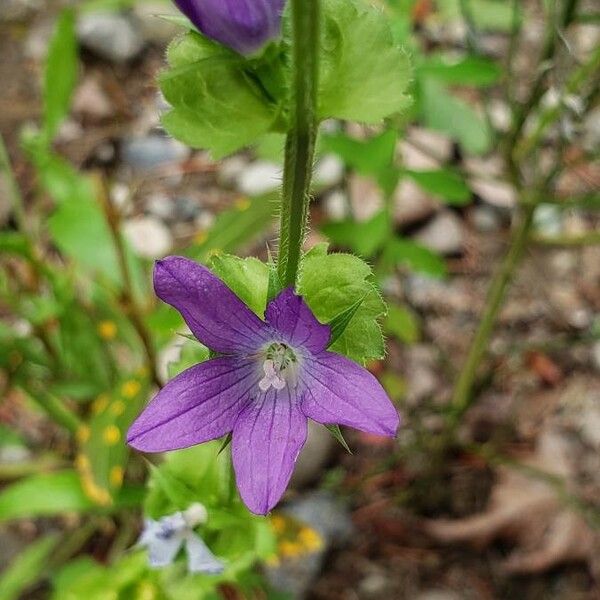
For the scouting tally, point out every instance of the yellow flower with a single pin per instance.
(117, 408)
(111, 435)
(83, 434)
(200, 237)
(130, 388)
(107, 330)
(95, 492)
(100, 403)
(290, 549)
(82, 462)
(116, 476)
(310, 539)
(242, 203)
(278, 524)
(273, 561)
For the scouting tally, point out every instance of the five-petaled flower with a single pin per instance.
(243, 25)
(272, 377)
(165, 538)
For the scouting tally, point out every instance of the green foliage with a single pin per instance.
(215, 103)
(419, 258)
(223, 102)
(445, 112)
(102, 455)
(446, 184)
(54, 494)
(402, 323)
(469, 70)
(493, 15)
(371, 158)
(129, 577)
(192, 353)
(26, 568)
(60, 73)
(339, 323)
(247, 277)
(235, 227)
(331, 284)
(363, 237)
(203, 474)
(364, 73)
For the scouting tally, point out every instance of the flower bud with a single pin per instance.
(243, 25)
(195, 514)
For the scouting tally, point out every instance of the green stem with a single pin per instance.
(591, 238)
(539, 87)
(132, 306)
(14, 193)
(55, 408)
(300, 142)
(551, 114)
(462, 396)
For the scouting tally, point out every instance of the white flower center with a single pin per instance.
(279, 367)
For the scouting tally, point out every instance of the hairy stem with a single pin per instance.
(300, 141)
(462, 396)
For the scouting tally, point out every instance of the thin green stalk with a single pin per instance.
(591, 238)
(538, 88)
(462, 396)
(55, 408)
(134, 311)
(515, 30)
(300, 141)
(14, 192)
(551, 114)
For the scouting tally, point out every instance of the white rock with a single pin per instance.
(313, 456)
(486, 219)
(91, 100)
(112, 36)
(336, 205)
(148, 236)
(148, 152)
(259, 177)
(366, 197)
(425, 149)
(411, 203)
(328, 171)
(443, 234)
(495, 192)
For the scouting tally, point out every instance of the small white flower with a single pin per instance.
(165, 537)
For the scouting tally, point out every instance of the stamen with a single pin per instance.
(279, 367)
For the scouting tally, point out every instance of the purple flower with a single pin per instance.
(275, 375)
(244, 25)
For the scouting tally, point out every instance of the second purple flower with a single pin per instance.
(243, 25)
(273, 376)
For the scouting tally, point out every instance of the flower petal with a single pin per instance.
(200, 558)
(244, 25)
(216, 316)
(291, 317)
(267, 439)
(198, 405)
(337, 390)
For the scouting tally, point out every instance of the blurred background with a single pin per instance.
(491, 496)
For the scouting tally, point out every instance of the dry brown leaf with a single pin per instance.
(528, 511)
